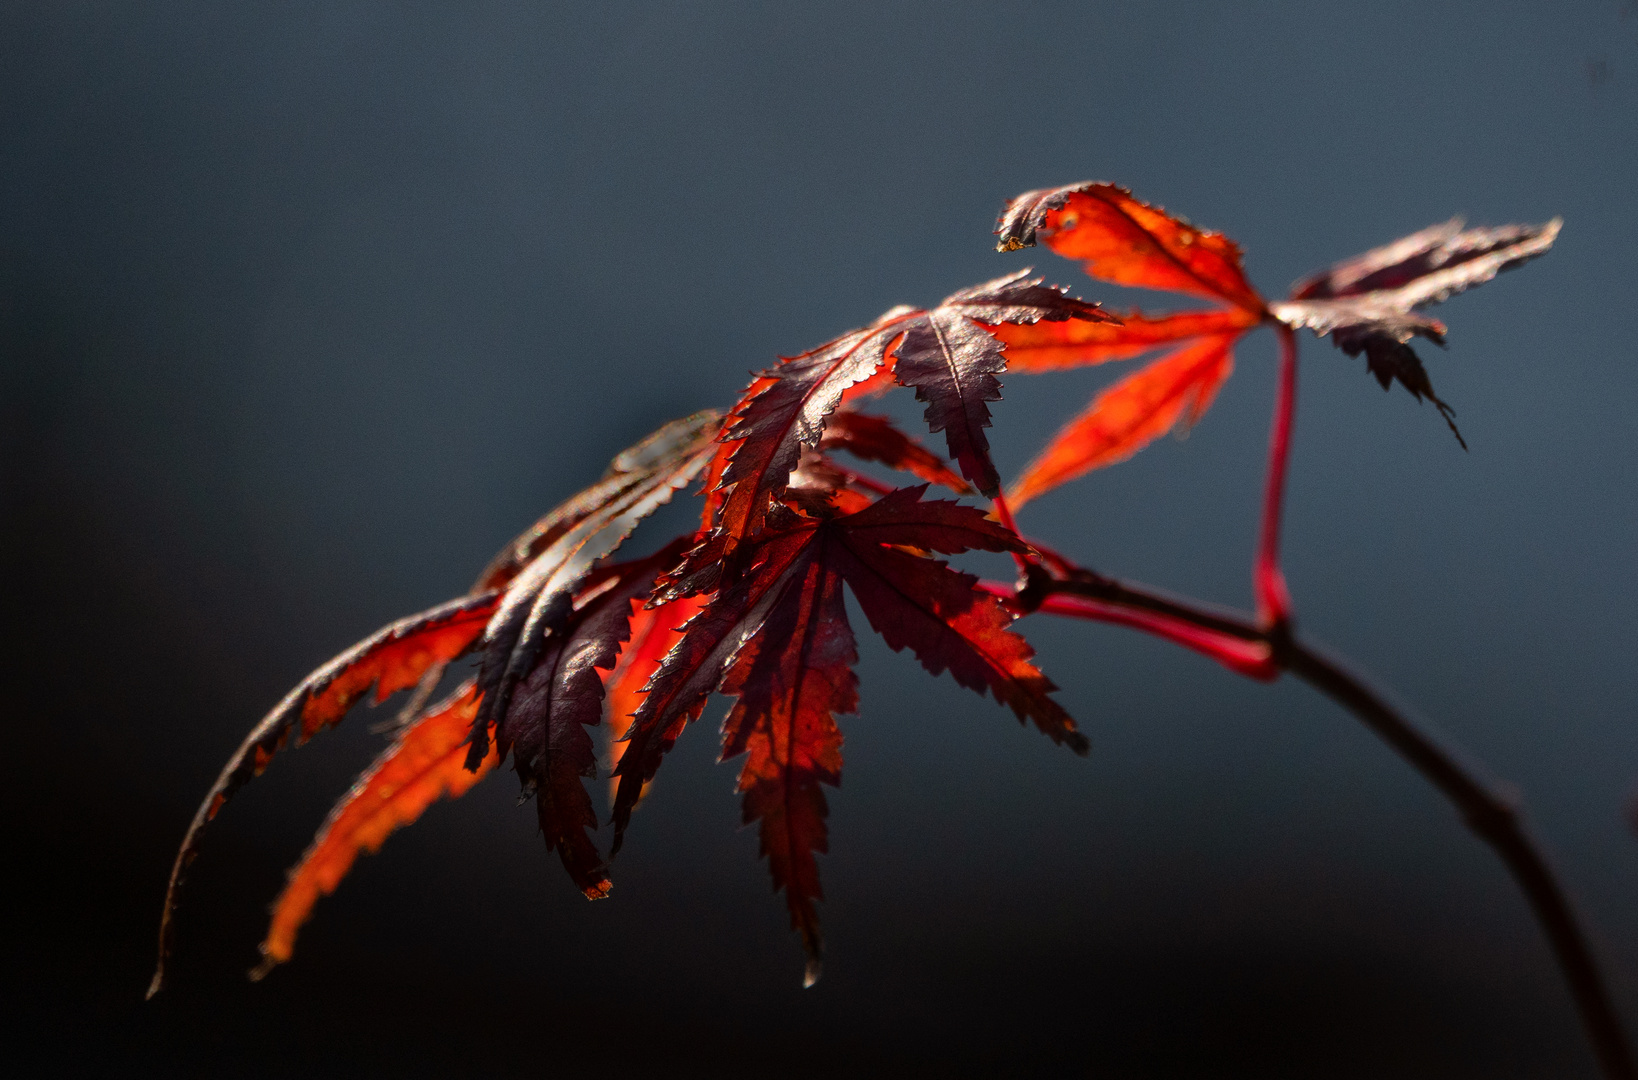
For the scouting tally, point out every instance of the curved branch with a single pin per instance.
(1237, 641)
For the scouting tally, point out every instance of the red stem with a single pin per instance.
(1268, 582)
(1003, 513)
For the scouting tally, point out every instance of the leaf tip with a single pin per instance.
(1078, 742)
(810, 973)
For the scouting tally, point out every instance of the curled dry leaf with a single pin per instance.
(1128, 242)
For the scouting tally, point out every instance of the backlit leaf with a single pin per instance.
(425, 762)
(1176, 389)
(1128, 242)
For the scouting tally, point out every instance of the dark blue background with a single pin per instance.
(305, 309)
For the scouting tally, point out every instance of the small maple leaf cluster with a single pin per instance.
(569, 639)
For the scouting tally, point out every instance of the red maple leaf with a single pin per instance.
(778, 639)
(949, 354)
(1128, 242)
(1366, 304)
(535, 580)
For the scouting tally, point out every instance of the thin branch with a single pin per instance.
(1236, 640)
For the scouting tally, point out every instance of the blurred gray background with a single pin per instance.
(306, 308)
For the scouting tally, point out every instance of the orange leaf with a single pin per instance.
(425, 762)
(1177, 388)
(1058, 346)
(653, 633)
(1128, 242)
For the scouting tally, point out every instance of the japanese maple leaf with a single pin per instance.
(536, 580)
(1128, 242)
(426, 762)
(568, 544)
(545, 730)
(949, 354)
(1366, 304)
(778, 640)
(546, 724)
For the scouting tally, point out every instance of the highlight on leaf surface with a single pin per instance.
(537, 599)
(426, 761)
(546, 725)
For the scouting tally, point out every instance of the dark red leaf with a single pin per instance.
(1432, 265)
(537, 598)
(791, 678)
(937, 613)
(952, 360)
(692, 670)
(672, 446)
(903, 517)
(545, 727)
(1368, 304)
(947, 354)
